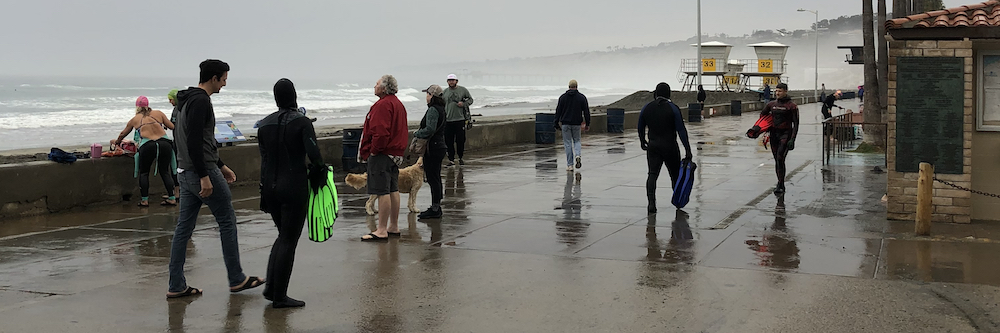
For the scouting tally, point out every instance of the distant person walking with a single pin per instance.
(822, 92)
(702, 95)
(767, 93)
(432, 129)
(572, 116)
(861, 93)
(383, 144)
(154, 146)
(204, 178)
(663, 118)
(285, 139)
(784, 129)
(458, 100)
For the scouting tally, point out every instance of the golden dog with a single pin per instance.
(410, 180)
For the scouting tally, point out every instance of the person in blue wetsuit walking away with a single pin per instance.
(784, 129)
(663, 118)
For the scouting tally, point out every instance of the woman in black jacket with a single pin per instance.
(432, 129)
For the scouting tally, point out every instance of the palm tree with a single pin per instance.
(900, 8)
(873, 104)
(883, 60)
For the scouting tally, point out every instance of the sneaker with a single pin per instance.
(451, 163)
(569, 168)
(578, 164)
(779, 189)
(434, 212)
(461, 161)
(651, 208)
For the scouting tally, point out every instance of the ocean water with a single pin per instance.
(53, 112)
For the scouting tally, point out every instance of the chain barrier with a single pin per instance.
(967, 189)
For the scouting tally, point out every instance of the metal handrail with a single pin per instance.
(834, 128)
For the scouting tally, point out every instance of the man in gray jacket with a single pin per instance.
(457, 100)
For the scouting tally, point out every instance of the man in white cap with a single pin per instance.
(457, 101)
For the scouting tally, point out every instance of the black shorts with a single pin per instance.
(383, 175)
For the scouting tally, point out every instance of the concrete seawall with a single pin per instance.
(43, 187)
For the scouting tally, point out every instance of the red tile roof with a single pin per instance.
(986, 14)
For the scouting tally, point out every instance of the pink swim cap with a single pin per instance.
(142, 102)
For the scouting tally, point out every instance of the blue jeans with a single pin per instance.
(221, 205)
(571, 141)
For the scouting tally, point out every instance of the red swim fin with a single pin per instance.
(762, 125)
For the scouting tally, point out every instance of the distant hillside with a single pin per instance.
(643, 67)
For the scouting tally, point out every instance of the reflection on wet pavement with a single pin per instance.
(519, 235)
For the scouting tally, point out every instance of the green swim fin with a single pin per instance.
(323, 208)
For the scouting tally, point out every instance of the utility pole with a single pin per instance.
(816, 73)
(701, 64)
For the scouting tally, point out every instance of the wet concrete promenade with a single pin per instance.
(527, 247)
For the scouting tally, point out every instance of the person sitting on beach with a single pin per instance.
(154, 145)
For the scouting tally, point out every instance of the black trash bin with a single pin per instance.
(694, 112)
(736, 108)
(545, 131)
(616, 120)
(351, 144)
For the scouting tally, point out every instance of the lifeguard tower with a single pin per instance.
(769, 67)
(714, 62)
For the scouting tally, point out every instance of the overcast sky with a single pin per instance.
(332, 37)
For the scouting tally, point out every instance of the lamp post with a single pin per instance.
(816, 32)
(700, 64)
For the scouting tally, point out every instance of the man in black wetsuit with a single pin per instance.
(285, 138)
(784, 129)
(665, 124)
(828, 104)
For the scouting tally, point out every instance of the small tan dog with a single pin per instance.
(410, 180)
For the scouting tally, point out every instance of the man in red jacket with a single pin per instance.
(383, 143)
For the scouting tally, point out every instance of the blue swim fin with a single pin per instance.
(685, 182)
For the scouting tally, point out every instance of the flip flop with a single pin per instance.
(167, 203)
(252, 282)
(395, 234)
(189, 292)
(143, 206)
(373, 238)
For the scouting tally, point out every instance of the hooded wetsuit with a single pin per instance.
(784, 128)
(828, 104)
(285, 138)
(665, 124)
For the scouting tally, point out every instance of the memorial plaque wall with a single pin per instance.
(930, 113)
